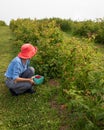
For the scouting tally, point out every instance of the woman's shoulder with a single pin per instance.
(16, 59)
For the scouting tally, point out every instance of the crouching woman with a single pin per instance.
(19, 74)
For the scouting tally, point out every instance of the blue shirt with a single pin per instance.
(16, 68)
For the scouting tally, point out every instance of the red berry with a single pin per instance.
(38, 76)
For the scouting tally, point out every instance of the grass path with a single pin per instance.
(6, 52)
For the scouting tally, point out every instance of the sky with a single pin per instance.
(39, 9)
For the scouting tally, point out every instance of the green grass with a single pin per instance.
(100, 47)
(29, 112)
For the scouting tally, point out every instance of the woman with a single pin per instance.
(19, 74)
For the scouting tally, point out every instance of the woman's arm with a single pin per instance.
(19, 79)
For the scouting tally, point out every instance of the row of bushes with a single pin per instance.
(83, 85)
(35, 31)
(78, 65)
(90, 29)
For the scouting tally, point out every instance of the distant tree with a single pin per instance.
(2, 23)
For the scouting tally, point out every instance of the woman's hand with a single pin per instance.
(31, 81)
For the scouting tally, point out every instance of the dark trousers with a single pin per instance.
(21, 87)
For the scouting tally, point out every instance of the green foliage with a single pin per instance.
(35, 30)
(93, 30)
(83, 84)
(47, 60)
(100, 34)
(85, 28)
(25, 30)
(65, 25)
(2, 23)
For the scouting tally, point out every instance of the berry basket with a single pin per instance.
(38, 79)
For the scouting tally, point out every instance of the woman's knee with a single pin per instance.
(32, 69)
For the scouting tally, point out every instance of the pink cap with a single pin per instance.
(27, 51)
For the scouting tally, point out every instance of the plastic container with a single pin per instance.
(38, 79)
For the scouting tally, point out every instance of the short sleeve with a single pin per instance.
(16, 70)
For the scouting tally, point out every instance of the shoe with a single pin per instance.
(30, 91)
(13, 93)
